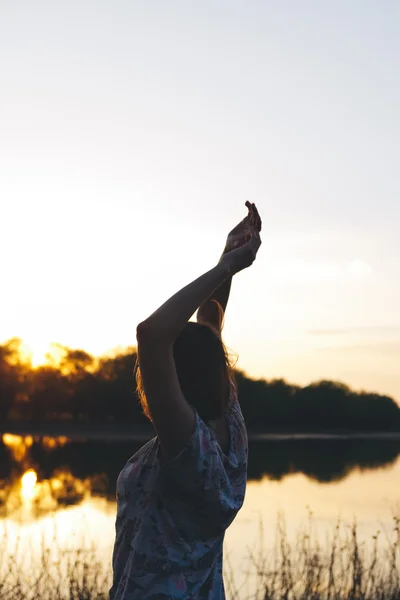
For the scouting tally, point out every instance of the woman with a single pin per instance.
(178, 494)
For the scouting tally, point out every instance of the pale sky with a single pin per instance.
(132, 133)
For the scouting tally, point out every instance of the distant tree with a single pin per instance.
(322, 404)
(49, 394)
(78, 367)
(75, 363)
(79, 386)
(266, 404)
(371, 411)
(121, 402)
(12, 376)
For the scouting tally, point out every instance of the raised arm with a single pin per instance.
(212, 310)
(172, 416)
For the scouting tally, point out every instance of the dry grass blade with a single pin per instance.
(344, 569)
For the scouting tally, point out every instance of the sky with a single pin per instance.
(131, 135)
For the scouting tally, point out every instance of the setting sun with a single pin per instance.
(40, 351)
(36, 352)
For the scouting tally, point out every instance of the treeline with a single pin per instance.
(80, 388)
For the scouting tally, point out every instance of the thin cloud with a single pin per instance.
(328, 331)
(378, 348)
(302, 270)
(373, 329)
(358, 268)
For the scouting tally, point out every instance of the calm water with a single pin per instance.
(57, 487)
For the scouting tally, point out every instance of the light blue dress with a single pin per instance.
(171, 518)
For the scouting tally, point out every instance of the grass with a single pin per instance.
(49, 569)
(343, 568)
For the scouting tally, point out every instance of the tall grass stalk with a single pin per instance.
(343, 568)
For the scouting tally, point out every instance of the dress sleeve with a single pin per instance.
(202, 477)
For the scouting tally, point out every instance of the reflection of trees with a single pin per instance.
(5, 462)
(101, 462)
(80, 388)
(86, 459)
(321, 460)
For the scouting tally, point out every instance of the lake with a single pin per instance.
(59, 493)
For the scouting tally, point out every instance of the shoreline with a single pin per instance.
(142, 434)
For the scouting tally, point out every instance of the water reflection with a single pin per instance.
(25, 490)
(25, 497)
(324, 461)
(40, 474)
(17, 445)
(28, 485)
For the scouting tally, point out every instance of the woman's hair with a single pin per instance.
(204, 370)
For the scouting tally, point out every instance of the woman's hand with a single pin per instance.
(243, 255)
(242, 232)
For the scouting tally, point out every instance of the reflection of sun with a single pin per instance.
(28, 484)
(49, 443)
(17, 444)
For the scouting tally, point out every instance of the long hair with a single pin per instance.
(204, 371)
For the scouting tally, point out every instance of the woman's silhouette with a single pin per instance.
(178, 494)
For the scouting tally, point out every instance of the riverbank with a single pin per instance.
(122, 433)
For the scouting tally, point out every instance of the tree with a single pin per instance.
(12, 376)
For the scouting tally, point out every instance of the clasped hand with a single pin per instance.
(243, 242)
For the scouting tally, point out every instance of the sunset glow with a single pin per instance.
(122, 177)
(36, 351)
(200, 299)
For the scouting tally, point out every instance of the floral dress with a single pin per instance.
(171, 518)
